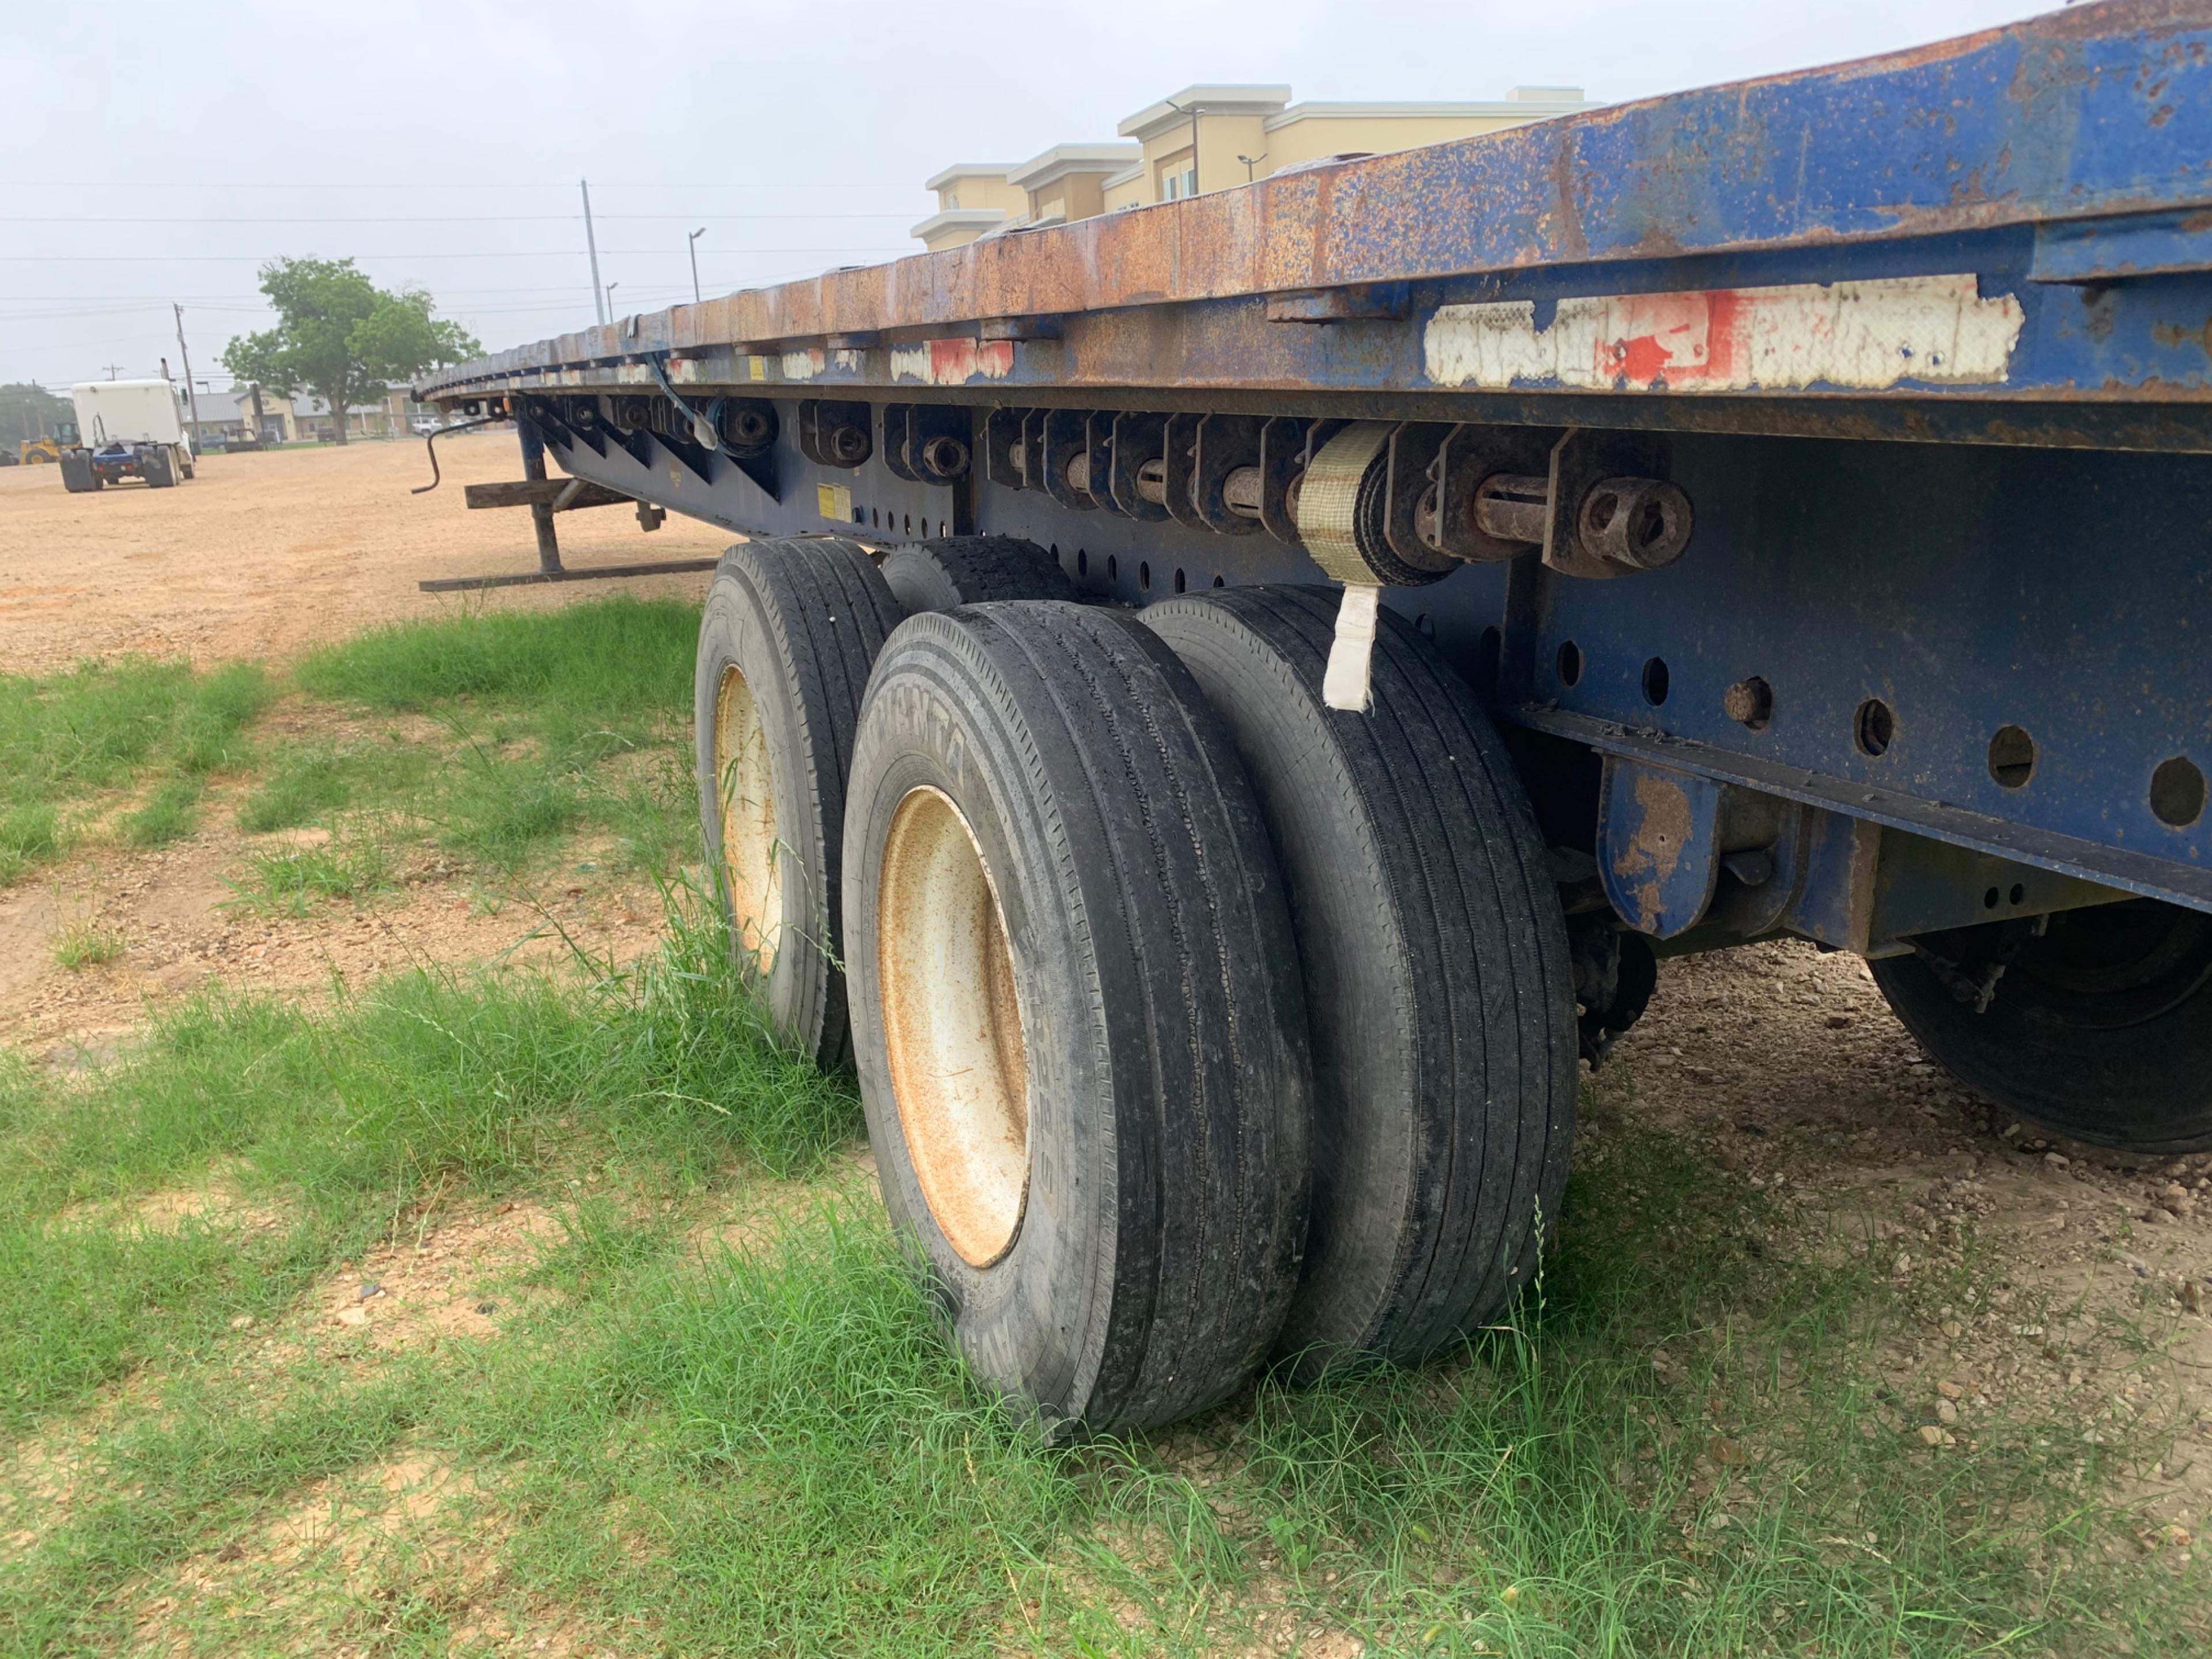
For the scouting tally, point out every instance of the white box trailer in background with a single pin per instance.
(126, 429)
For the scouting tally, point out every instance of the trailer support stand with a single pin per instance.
(541, 512)
(544, 504)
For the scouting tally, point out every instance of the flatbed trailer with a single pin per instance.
(1789, 506)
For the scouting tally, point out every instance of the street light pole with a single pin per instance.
(692, 242)
(591, 242)
(611, 287)
(1193, 112)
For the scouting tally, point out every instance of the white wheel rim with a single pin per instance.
(952, 1026)
(748, 845)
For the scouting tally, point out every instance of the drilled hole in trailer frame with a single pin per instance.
(952, 1026)
(2012, 757)
(2177, 793)
(1569, 663)
(1874, 728)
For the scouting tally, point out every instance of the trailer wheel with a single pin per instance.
(789, 631)
(1076, 1009)
(949, 570)
(1437, 967)
(2099, 1029)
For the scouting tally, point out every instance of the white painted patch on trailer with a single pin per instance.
(686, 371)
(633, 374)
(849, 362)
(1867, 336)
(952, 362)
(802, 364)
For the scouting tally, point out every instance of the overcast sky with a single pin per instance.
(159, 154)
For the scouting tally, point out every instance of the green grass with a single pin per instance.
(428, 1085)
(286, 881)
(170, 813)
(64, 739)
(30, 834)
(84, 944)
(1681, 1444)
(769, 1448)
(618, 662)
(554, 722)
(298, 786)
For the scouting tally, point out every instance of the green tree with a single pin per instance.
(342, 337)
(27, 409)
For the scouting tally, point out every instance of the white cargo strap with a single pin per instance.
(1344, 683)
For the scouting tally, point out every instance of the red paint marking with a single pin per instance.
(1725, 317)
(951, 363)
(950, 360)
(1642, 359)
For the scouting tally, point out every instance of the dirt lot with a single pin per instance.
(1781, 1066)
(262, 554)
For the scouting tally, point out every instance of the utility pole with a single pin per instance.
(114, 369)
(692, 241)
(191, 397)
(591, 241)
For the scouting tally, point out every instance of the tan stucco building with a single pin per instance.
(1205, 138)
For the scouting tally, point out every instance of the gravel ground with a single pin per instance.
(263, 554)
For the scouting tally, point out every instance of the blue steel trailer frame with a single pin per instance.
(1925, 341)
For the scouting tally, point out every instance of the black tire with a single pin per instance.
(789, 635)
(2100, 1029)
(1437, 967)
(949, 570)
(1117, 1243)
(156, 468)
(79, 475)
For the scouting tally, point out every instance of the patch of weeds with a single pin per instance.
(82, 1305)
(605, 661)
(167, 1485)
(84, 944)
(102, 725)
(170, 813)
(598, 1244)
(773, 1452)
(501, 811)
(422, 1086)
(29, 835)
(215, 713)
(288, 880)
(301, 787)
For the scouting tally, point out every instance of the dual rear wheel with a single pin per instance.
(1196, 1024)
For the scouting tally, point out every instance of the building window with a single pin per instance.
(1175, 185)
(951, 203)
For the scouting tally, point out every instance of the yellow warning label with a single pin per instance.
(834, 501)
(756, 367)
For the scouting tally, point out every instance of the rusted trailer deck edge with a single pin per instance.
(2102, 113)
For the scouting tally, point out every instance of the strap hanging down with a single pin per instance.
(1344, 683)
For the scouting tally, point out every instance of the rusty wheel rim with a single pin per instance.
(952, 1027)
(748, 797)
